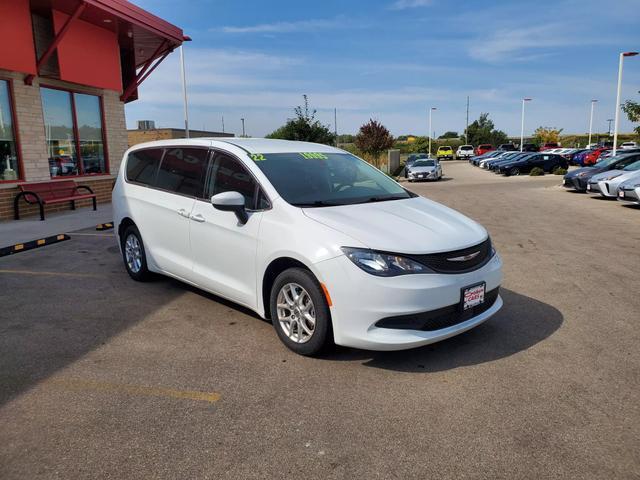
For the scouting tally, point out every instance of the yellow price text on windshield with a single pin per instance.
(314, 155)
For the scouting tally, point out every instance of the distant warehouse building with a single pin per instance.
(67, 68)
(147, 132)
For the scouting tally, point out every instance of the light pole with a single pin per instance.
(617, 115)
(609, 120)
(593, 103)
(243, 134)
(522, 123)
(430, 128)
(184, 88)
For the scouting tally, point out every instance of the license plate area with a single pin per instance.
(472, 296)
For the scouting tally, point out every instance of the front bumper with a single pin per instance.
(423, 176)
(576, 183)
(602, 187)
(629, 195)
(361, 300)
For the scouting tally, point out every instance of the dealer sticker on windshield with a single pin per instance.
(473, 296)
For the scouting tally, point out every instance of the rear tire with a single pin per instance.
(300, 313)
(134, 254)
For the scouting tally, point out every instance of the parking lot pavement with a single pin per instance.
(102, 377)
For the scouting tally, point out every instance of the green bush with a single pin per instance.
(560, 171)
(536, 172)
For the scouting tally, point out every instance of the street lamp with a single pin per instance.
(593, 103)
(522, 123)
(430, 128)
(617, 115)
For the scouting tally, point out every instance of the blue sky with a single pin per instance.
(391, 60)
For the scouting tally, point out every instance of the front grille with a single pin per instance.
(442, 263)
(441, 318)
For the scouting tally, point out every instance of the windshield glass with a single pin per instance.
(309, 179)
(424, 163)
(466, 147)
(633, 167)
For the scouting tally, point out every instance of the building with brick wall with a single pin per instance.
(147, 132)
(67, 69)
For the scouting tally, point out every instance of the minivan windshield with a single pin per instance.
(308, 179)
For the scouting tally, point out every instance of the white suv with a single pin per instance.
(465, 151)
(323, 244)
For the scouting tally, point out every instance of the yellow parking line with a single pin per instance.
(59, 274)
(75, 384)
(110, 235)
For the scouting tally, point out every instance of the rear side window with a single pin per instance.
(183, 171)
(142, 165)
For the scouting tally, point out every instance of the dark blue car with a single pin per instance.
(579, 179)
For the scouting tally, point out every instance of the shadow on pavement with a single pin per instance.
(522, 323)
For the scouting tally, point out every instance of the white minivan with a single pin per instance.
(326, 246)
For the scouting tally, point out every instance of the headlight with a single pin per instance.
(383, 264)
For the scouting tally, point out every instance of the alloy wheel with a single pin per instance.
(296, 313)
(133, 253)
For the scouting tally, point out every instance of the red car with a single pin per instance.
(549, 146)
(484, 148)
(593, 156)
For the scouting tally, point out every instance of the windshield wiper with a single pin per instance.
(316, 203)
(384, 199)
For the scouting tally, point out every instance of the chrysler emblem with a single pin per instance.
(464, 258)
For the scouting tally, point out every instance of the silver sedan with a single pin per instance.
(425, 169)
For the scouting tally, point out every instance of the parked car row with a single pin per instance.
(612, 177)
(511, 163)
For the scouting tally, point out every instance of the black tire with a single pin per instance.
(515, 171)
(322, 337)
(143, 274)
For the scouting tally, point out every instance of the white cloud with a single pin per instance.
(405, 4)
(288, 27)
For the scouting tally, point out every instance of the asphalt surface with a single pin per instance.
(103, 377)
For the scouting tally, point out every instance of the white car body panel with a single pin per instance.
(609, 188)
(188, 239)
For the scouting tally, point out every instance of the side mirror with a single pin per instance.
(231, 202)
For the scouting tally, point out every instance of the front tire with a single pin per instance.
(514, 172)
(300, 313)
(134, 255)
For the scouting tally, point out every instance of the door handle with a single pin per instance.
(197, 218)
(183, 213)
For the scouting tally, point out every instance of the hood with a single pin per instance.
(415, 225)
(608, 173)
(574, 173)
(422, 169)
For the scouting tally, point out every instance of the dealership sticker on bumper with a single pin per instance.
(473, 296)
(621, 194)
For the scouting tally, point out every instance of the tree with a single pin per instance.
(632, 109)
(304, 127)
(373, 138)
(544, 135)
(449, 134)
(483, 130)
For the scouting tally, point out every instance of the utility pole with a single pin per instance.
(609, 120)
(466, 130)
(222, 123)
(243, 133)
(430, 128)
(522, 123)
(335, 124)
(184, 93)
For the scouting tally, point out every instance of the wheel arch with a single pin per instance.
(275, 268)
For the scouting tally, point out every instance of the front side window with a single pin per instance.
(9, 169)
(327, 179)
(74, 133)
(228, 175)
(183, 171)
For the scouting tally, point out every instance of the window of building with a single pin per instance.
(9, 167)
(183, 171)
(74, 133)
